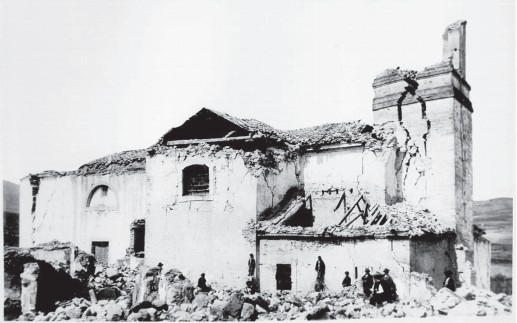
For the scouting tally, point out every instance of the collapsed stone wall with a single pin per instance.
(35, 278)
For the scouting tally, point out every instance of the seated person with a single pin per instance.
(201, 284)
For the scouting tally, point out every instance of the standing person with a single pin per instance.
(367, 282)
(251, 265)
(379, 293)
(320, 269)
(390, 289)
(347, 281)
(449, 281)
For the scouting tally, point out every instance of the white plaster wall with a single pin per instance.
(338, 168)
(481, 267)
(114, 225)
(339, 256)
(61, 212)
(463, 169)
(197, 234)
(25, 213)
(430, 179)
(433, 258)
(55, 211)
(273, 184)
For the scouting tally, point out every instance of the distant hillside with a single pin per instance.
(496, 217)
(11, 197)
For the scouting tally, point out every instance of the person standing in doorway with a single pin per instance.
(251, 265)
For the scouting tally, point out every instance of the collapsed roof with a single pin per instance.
(208, 126)
(202, 126)
(403, 220)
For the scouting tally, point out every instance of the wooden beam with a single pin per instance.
(351, 209)
(209, 140)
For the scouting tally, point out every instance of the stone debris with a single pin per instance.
(404, 219)
(110, 282)
(173, 303)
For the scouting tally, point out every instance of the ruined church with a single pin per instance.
(396, 194)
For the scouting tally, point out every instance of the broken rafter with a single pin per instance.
(211, 140)
(351, 209)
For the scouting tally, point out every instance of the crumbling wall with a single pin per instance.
(327, 174)
(432, 256)
(482, 263)
(201, 233)
(463, 174)
(339, 256)
(61, 212)
(272, 184)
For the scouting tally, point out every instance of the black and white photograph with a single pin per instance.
(258, 160)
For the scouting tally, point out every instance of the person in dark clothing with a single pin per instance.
(251, 265)
(379, 294)
(320, 269)
(449, 281)
(347, 281)
(251, 287)
(367, 282)
(201, 283)
(390, 289)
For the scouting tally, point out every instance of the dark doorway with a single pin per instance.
(100, 250)
(139, 233)
(283, 277)
(137, 238)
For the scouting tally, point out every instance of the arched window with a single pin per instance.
(195, 180)
(102, 197)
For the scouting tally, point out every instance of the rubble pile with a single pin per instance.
(130, 161)
(404, 219)
(225, 305)
(124, 162)
(112, 280)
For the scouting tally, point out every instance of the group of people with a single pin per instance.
(379, 287)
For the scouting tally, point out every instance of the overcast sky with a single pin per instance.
(83, 79)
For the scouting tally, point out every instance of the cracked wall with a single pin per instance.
(353, 171)
(272, 184)
(201, 234)
(433, 257)
(339, 256)
(61, 214)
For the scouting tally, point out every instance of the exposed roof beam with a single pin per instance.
(210, 140)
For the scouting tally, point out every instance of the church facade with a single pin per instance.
(209, 193)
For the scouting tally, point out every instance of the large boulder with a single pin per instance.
(108, 293)
(248, 312)
(200, 300)
(234, 306)
(114, 312)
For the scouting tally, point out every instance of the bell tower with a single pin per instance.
(434, 133)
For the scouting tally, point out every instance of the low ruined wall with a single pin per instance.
(481, 266)
(339, 256)
(433, 257)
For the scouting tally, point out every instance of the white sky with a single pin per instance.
(83, 79)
